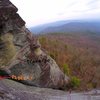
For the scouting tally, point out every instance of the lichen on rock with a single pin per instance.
(8, 49)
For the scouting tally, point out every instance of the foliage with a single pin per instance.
(66, 69)
(80, 53)
(90, 85)
(52, 55)
(75, 82)
(43, 40)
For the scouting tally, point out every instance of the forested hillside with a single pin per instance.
(77, 55)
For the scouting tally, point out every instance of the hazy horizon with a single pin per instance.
(36, 12)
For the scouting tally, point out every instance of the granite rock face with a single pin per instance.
(29, 64)
(41, 74)
(9, 19)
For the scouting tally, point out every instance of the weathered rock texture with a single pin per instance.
(11, 90)
(23, 58)
(9, 19)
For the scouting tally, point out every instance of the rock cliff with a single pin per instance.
(21, 56)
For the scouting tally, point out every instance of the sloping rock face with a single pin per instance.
(23, 59)
(11, 90)
(9, 19)
(41, 74)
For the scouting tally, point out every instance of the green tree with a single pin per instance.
(75, 82)
(66, 69)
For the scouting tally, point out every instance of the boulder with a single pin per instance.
(44, 73)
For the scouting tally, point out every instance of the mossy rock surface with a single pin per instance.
(8, 51)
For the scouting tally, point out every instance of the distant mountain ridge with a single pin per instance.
(39, 28)
(68, 26)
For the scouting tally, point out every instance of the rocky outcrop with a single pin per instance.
(36, 68)
(26, 62)
(9, 19)
(41, 74)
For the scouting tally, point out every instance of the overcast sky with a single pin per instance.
(36, 12)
